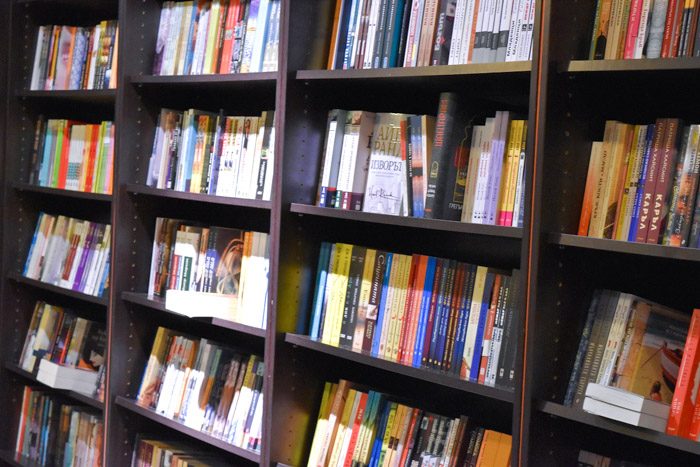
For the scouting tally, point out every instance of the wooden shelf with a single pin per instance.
(645, 64)
(132, 406)
(655, 437)
(102, 301)
(198, 197)
(94, 96)
(413, 73)
(41, 190)
(433, 376)
(15, 460)
(157, 303)
(78, 396)
(265, 76)
(413, 222)
(632, 248)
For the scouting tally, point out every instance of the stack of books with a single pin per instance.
(642, 184)
(72, 155)
(217, 36)
(64, 350)
(150, 452)
(590, 459)
(74, 57)
(370, 428)
(204, 152)
(206, 386)
(625, 406)
(70, 253)
(51, 432)
(644, 29)
(409, 33)
(417, 310)
(476, 171)
(211, 271)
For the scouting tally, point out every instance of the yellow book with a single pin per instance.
(212, 33)
(363, 301)
(322, 421)
(400, 305)
(336, 409)
(505, 173)
(389, 311)
(620, 232)
(597, 224)
(333, 267)
(386, 436)
(514, 156)
(618, 165)
(339, 292)
(155, 361)
(401, 411)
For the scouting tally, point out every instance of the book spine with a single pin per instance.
(667, 163)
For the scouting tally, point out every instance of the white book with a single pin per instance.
(92, 65)
(643, 29)
(248, 146)
(620, 414)
(498, 144)
(413, 38)
(472, 172)
(506, 15)
(257, 153)
(168, 66)
(615, 339)
(200, 42)
(269, 173)
(481, 187)
(164, 395)
(261, 31)
(520, 186)
(515, 28)
(460, 23)
(36, 70)
(65, 377)
(371, 34)
(201, 304)
(474, 315)
(466, 41)
(627, 400)
(386, 176)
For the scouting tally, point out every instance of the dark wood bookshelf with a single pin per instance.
(434, 376)
(132, 406)
(198, 197)
(19, 278)
(417, 73)
(77, 96)
(631, 65)
(655, 437)
(158, 303)
(77, 396)
(199, 81)
(74, 194)
(411, 222)
(15, 460)
(631, 248)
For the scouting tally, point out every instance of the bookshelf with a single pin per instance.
(566, 100)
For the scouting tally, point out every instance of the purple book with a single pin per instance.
(89, 240)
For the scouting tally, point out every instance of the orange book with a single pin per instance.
(505, 445)
(416, 296)
(23, 418)
(63, 164)
(473, 34)
(51, 72)
(684, 417)
(488, 330)
(334, 34)
(234, 12)
(488, 451)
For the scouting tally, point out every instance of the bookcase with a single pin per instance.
(566, 100)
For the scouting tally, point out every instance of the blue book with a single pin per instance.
(49, 144)
(463, 319)
(379, 435)
(634, 220)
(392, 51)
(32, 246)
(424, 308)
(382, 304)
(582, 346)
(479, 340)
(321, 276)
(194, 20)
(187, 152)
(341, 38)
(439, 311)
(352, 33)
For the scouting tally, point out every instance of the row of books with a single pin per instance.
(155, 452)
(61, 337)
(206, 386)
(409, 33)
(51, 432)
(228, 266)
(217, 36)
(642, 184)
(644, 29)
(204, 152)
(74, 57)
(70, 253)
(417, 310)
(359, 427)
(72, 155)
(476, 172)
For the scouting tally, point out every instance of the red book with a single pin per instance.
(664, 181)
(682, 404)
(411, 427)
(667, 44)
(416, 297)
(234, 8)
(488, 330)
(406, 316)
(439, 265)
(633, 27)
(650, 183)
(356, 429)
(65, 147)
(455, 300)
(94, 134)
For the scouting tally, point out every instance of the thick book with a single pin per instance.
(620, 414)
(386, 172)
